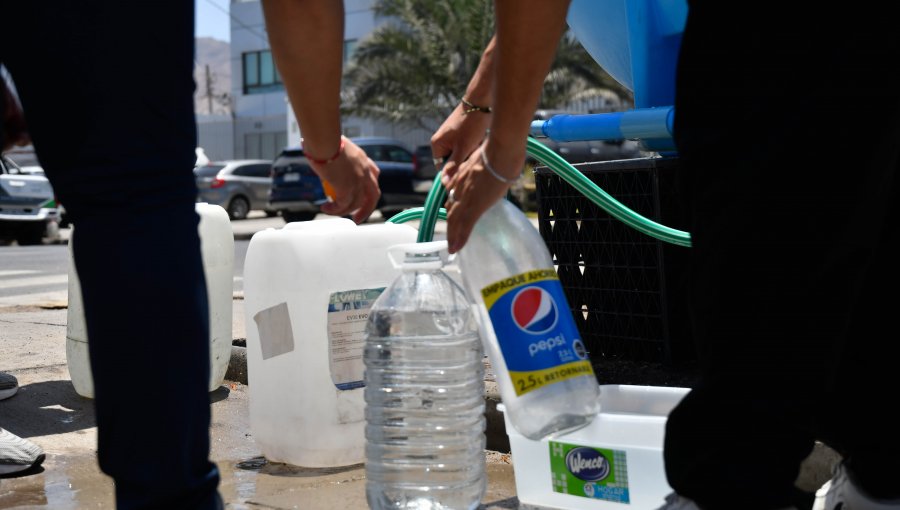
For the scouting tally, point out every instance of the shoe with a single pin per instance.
(677, 502)
(17, 454)
(840, 493)
(9, 385)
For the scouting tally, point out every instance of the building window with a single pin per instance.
(264, 145)
(260, 74)
(349, 49)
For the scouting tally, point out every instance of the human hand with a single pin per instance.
(13, 127)
(353, 179)
(473, 190)
(456, 139)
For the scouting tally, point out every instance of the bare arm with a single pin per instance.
(528, 34)
(306, 37)
(462, 133)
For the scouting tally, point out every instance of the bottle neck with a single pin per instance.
(421, 262)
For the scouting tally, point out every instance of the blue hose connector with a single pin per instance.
(651, 126)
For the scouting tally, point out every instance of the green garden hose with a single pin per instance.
(543, 154)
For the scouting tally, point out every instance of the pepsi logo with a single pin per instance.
(534, 310)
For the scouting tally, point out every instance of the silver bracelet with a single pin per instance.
(493, 172)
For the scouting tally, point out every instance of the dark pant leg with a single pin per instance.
(107, 90)
(787, 199)
(857, 420)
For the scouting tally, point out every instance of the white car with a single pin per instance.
(29, 212)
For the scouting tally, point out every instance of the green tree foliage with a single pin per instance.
(576, 75)
(412, 70)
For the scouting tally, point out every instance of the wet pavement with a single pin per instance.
(49, 412)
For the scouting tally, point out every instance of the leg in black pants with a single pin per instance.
(790, 190)
(107, 91)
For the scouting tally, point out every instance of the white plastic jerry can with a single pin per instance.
(308, 288)
(217, 247)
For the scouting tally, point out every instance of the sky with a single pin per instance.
(212, 19)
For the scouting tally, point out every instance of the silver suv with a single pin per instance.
(29, 212)
(238, 185)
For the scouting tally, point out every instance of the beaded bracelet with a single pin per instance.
(336, 155)
(469, 107)
(493, 172)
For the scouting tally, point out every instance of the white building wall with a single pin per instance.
(259, 125)
(264, 117)
(215, 134)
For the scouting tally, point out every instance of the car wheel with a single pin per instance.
(31, 236)
(238, 208)
(292, 216)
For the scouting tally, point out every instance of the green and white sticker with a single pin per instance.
(589, 472)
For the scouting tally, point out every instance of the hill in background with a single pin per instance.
(215, 98)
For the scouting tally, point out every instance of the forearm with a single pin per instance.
(306, 37)
(480, 90)
(528, 34)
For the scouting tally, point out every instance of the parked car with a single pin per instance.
(424, 161)
(38, 170)
(29, 212)
(587, 151)
(297, 191)
(238, 185)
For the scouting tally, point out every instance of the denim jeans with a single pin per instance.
(107, 90)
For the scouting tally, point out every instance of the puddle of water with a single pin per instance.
(63, 482)
(263, 466)
(257, 481)
(75, 482)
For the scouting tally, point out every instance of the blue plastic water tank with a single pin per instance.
(635, 41)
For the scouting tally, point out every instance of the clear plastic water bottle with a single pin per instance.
(546, 380)
(424, 389)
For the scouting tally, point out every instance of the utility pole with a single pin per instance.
(209, 90)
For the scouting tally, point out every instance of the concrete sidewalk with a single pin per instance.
(49, 412)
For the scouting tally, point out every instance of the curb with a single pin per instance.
(237, 365)
(243, 236)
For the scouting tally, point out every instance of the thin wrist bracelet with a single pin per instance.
(336, 155)
(469, 107)
(493, 172)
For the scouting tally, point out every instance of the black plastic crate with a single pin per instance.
(626, 289)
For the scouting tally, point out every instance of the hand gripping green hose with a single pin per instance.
(432, 210)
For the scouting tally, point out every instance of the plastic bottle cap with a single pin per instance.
(329, 191)
(399, 255)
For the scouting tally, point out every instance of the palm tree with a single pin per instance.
(576, 75)
(412, 70)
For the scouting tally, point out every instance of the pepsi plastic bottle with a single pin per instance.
(424, 390)
(546, 380)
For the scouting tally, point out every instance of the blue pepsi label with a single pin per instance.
(537, 335)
